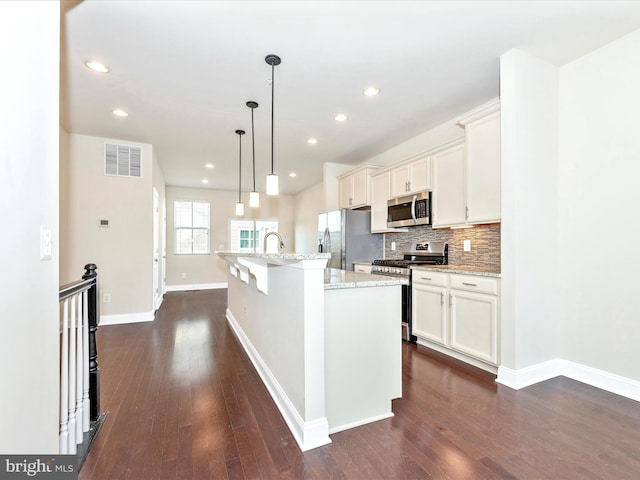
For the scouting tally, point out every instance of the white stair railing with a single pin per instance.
(75, 386)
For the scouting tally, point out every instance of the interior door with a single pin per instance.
(164, 249)
(156, 251)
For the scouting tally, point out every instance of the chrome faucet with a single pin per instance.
(264, 244)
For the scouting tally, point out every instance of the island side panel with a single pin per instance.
(363, 354)
(278, 325)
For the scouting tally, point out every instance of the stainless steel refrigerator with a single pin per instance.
(346, 234)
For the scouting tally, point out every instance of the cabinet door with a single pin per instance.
(346, 196)
(379, 197)
(359, 193)
(483, 169)
(399, 181)
(429, 313)
(449, 203)
(419, 176)
(474, 325)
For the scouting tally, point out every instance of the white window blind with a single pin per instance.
(191, 223)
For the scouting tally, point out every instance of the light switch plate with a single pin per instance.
(46, 242)
(466, 245)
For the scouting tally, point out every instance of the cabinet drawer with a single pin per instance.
(428, 277)
(475, 284)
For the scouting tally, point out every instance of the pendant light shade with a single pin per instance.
(272, 178)
(254, 197)
(240, 205)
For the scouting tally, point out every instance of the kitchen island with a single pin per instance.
(326, 343)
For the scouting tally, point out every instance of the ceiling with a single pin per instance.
(185, 70)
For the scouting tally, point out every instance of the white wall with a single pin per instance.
(209, 269)
(529, 229)
(123, 251)
(65, 275)
(308, 204)
(29, 137)
(599, 197)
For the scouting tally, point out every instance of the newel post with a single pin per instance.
(93, 313)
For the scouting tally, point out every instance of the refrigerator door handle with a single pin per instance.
(326, 244)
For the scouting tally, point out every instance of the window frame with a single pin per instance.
(177, 244)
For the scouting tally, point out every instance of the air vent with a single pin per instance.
(122, 160)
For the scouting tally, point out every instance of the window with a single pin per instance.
(191, 223)
(247, 235)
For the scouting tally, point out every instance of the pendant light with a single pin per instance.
(240, 205)
(254, 197)
(272, 178)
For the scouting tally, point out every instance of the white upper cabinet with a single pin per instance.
(354, 187)
(449, 202)
(411, 177)
(483, 169)
(466, 178)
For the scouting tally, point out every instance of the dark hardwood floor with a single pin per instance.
(184, 402)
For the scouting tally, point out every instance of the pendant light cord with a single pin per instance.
(273, 81)
(253, 144)
(240, 168)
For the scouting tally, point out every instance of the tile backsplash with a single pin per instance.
(485, 244)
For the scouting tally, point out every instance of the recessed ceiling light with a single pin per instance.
(371, 91)
(292, 174)
(96, 66)
(120, 113)
(312, 141)
(204, 180)
(209, 165)
(341, 117)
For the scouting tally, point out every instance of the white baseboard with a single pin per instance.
(195, 286)
(310, 434)
(126, 318)
(540, 372)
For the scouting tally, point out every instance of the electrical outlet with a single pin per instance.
(106, 298)
(466, 245)
(393, 245)
(184, 275)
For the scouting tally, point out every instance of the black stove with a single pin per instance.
(425, 253)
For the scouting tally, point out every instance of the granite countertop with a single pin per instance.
(334, 278)
(274, 256)
(462, 269)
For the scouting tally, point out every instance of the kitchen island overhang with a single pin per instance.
(326, 343)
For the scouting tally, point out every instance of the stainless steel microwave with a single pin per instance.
(409, 211)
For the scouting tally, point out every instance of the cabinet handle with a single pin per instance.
(441, 298)
(466, 213)
(469, 284)
(409, 186)
(425, 278)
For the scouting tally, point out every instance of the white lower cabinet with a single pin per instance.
(474, 325)
(457, 315)
(429, 298)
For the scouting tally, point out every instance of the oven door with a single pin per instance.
(407, 331)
